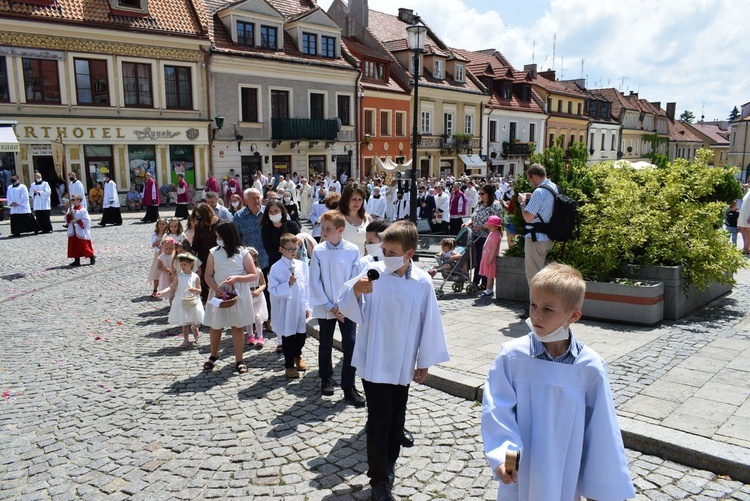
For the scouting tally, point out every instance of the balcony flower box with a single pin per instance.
(518, 149)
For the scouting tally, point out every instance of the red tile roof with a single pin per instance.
(713, 131)
(359, 51)
(558, 87)
(169, 16)
(680, 133)
(618, 100)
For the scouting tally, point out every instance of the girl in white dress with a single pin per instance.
(187, 310)
(159, 231)
(165, 266)
(257, 287)
(229, 266)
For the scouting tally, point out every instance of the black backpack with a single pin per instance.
(563, 221)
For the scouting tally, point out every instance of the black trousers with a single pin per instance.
(111, 215)
(348, 331)
(42, 217)
(152, 214)
(267, 294)
(181, 211)
(293, 348)
(455, 225)
(386, 414)
(478, 246)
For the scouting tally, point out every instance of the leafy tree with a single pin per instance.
(687, 116)
(734, 115)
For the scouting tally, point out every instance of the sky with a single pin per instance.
(692, 52)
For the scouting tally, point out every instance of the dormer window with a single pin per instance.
(137, 8)
(246, 34)
(267, 37)
(506, 90)
(439, 65)
(374, 71)
(133, 4)
(328, 47)
(310, 44)
(526, 93)
(459, 73)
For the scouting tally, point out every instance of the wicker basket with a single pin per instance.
(189, 300)
(229, 297)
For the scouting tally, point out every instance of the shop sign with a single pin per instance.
(111, 135)
(31, 53)
(40, 149)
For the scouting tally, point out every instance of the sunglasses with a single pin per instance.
(291, 249)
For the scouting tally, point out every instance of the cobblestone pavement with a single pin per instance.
(98, 402)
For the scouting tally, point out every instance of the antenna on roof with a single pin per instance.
(554, 46)
(562, 67)
(533, 51)
(622, 83)
(541, 66)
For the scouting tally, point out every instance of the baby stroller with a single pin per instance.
(460, 269)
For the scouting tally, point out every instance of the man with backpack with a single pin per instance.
(537, 209)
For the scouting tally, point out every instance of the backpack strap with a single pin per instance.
(543, 222)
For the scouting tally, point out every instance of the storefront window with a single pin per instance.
(281, 164)
(142, 159)
(182, 159)
(317, 165)
(98, 163)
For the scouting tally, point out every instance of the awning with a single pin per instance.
(8, 140)
(473, 161)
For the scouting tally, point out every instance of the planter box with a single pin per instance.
(677, 301)
(511, 284)
(631, 304)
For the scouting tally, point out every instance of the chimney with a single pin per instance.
(671, 108)
(406, 15)
(530, 68)
(549, 74)
(656, 104)
(634, 94)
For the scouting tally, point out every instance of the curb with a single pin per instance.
(673, 445)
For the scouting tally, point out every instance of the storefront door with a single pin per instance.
(281, 164)
(343, 165)
(250, 165)
(46, 167)
(317, 166)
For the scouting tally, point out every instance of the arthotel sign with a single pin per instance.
(98, 134)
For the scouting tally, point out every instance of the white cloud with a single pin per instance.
(688, 51)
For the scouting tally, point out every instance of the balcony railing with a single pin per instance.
(518, 149)
(303, 129)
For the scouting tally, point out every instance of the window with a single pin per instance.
(426, 122)
(604, 138)
(549, 104)
(572, 140)
(4, 90)
(179, 87)
(370, 122)
(512, 136)
(344, 109)
(136, 83)
(580, 105)
(267, 37)
(605, 111)
(279, 104)
(459, 73)
(317, 106)
(246, 33)
(570, 107)
(469, 124)
(493, 131)
(506, 91)
(448, 123)
(592, 141)
(532, 132)
(551, 139)
(41, 80)
(385, 123)
(439, 69)
(129, 3)
(526, 93)
(310, 44)
(92, 85)
(400, 123)
(559, 105)
(614, 139)
(374, 71)
(328, 46)
(249, 104)
(594, 109)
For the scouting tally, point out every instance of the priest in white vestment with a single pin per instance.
(110, 203)
(41, 194)
(21, 218)
(76, 188)
(376, 203)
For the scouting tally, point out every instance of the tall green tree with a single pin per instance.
(734, 115)
(687, 117)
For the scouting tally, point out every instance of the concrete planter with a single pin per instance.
(678, 301)
(630, 304)
(511, 284)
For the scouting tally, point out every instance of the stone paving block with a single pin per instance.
(721, 392)
(687, 376)
(673, 392)
(644, 405)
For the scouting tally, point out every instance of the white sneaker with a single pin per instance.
(486, 293)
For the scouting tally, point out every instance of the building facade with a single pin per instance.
(113, 86)
(739, 143)
(564, 103)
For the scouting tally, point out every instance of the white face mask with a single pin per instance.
(393, 263)
(374, 250)
(287, 198)
(275, 218)
(235, 204)
(559, 334)
(220, 242)
(38, 179)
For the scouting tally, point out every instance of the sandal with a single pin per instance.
(210, 363)
(241, 367)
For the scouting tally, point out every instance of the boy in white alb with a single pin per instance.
(334, 262)
(290, 304)
(547, 398)
(400, 336)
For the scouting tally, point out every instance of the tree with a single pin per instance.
(734, 115)
(687, 117)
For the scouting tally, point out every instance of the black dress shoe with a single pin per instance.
(93, 260)
(354, 397)
(102, 224)
(407, 440)
(77, 262)
(328, 387)
(382, 492)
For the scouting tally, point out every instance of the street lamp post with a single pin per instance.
(417, 34)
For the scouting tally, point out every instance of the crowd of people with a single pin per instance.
(239, 261)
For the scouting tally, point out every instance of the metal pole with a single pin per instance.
(414, 158)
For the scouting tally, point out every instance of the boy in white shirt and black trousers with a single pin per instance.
(334, 262)
(392, 351)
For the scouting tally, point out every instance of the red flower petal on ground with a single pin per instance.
(97, 338)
